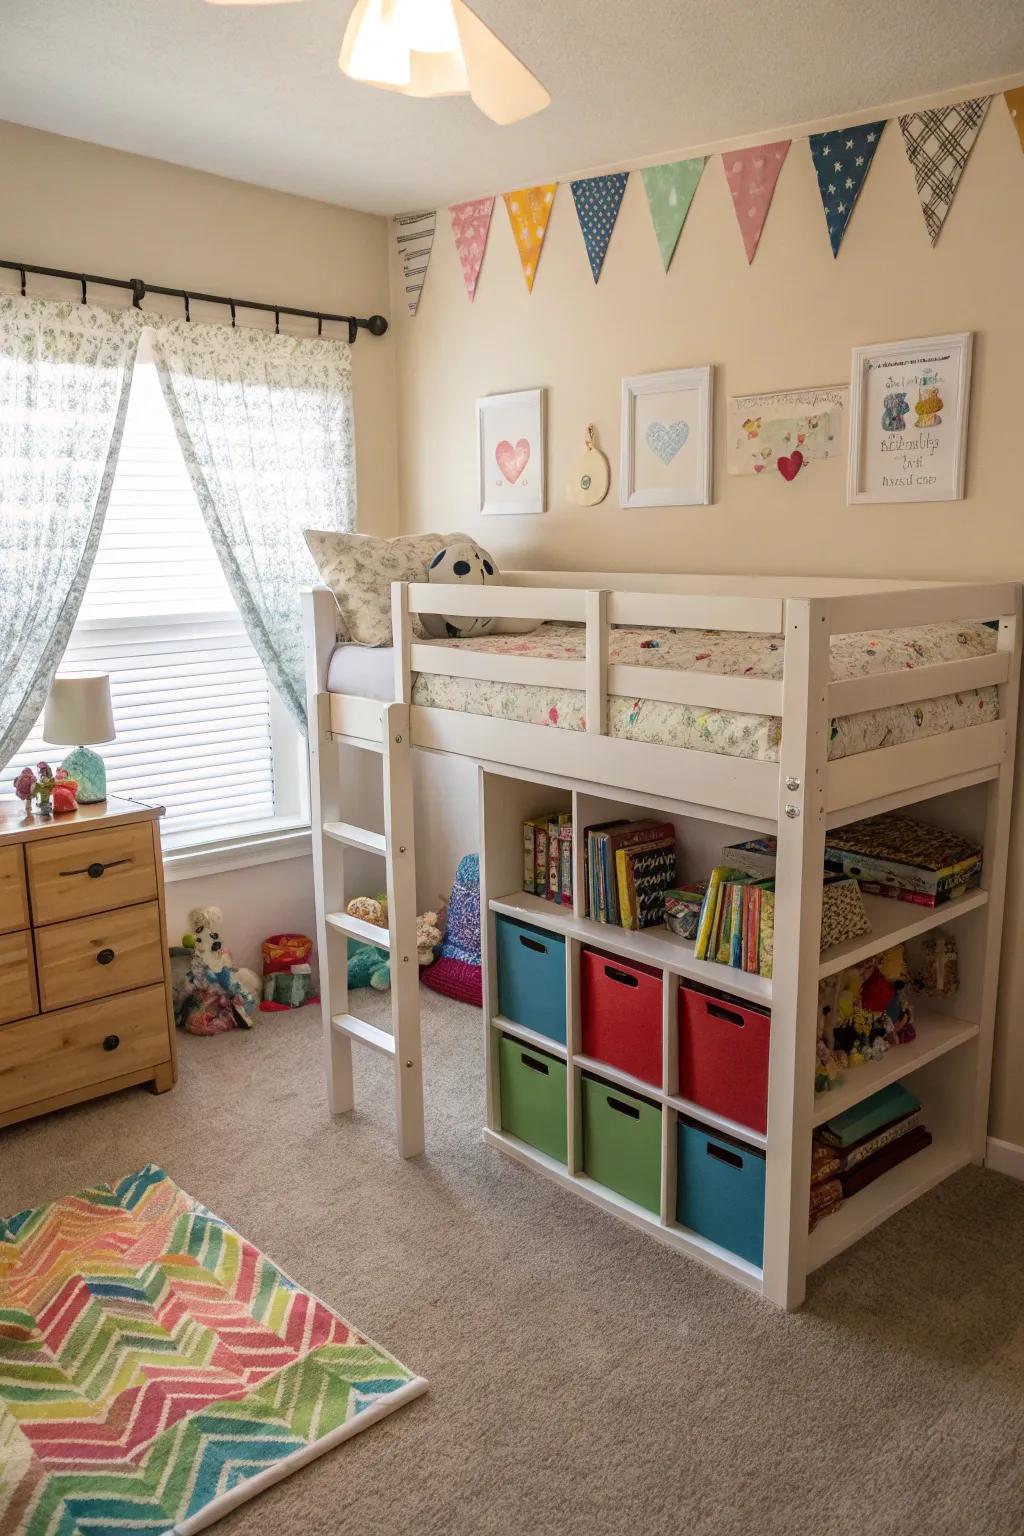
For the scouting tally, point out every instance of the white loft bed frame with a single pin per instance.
(798, 798)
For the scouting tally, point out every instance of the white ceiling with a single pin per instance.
(255, 93)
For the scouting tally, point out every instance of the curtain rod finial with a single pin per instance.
(376, 325)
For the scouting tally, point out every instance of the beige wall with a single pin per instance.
(788, 320)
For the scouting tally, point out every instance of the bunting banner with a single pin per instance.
(470, 224)
(529, 209)
(752, 174)
(938, 143)
(1015, 104)
(670, 190)
(842, 160)
(598, 200)
(414, 236)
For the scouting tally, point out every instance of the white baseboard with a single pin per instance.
(1005, 1157)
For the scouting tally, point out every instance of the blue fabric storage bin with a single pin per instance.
(531, 977)
(720, 1190)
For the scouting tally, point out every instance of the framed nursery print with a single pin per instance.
(510, 452)
(666, 439)
(908, 420)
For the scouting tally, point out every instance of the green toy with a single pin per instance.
(368, 966)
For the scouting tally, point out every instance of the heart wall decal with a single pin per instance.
(666, 441)
(790, 467)
(512, 461)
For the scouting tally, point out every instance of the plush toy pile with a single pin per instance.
(369, 966)
(862, 1011)
(215, 995)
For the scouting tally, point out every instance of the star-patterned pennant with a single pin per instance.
(938, 144)
(598, 200)
(529, 209)
(1015, 107)
(414, 236)
(752, 174)
(670, 190)
(842, 160)
(470, 224)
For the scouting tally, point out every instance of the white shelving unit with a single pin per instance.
(941, 1065)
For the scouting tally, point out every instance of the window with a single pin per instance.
(200, 729)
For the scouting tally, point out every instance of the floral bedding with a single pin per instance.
(732, 653)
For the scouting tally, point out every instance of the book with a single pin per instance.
(591, 851)
(902, 854)
(706, 918)
(861, 1150)
(755, 857)
(766, 929)
(683, 906)
(633, 834)
(565, 846)
(554, 831)
(889, 1157)
(872, 1114)
(643, 874)
(529, 856)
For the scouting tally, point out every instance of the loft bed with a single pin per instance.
(833, 699)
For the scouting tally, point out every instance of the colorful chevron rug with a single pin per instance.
(156, 1370)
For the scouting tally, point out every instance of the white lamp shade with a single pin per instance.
(78, 712)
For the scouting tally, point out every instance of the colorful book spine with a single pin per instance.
(565, 846)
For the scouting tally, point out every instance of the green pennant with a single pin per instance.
(670, 190)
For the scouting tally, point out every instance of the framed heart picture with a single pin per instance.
(510, 452)
(666, 439)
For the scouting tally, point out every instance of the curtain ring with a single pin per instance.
(84, 297)
(352, 328)
(188, 312)
(277, 322)
(23, 280)
(319, 322)
(231, 304)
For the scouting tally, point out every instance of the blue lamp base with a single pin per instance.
(88, 769)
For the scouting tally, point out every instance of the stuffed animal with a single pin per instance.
(215, 994)
(369, 909)
(862, 1012)
(369, 966)
(462, 564)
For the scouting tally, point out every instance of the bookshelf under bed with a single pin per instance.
(958, 778)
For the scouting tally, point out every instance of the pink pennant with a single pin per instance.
(752, 174)
(470, 224)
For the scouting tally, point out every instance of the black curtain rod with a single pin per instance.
(375, 324)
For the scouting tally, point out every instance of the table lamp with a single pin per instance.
(78, 710)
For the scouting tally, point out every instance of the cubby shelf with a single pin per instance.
(936, 1034)
(894, 922)
(529, 1036)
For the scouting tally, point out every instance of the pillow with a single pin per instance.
(359, 570)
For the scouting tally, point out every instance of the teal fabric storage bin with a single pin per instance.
(720, 1190)
(533, 1096)
(531, 977)
(622, 1142)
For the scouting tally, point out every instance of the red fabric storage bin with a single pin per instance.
(723, 1057)
(620, 1014)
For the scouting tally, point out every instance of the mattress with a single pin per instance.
(715, 651)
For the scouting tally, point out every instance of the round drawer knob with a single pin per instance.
(95, 870)
(104, 957)
(111, 1042)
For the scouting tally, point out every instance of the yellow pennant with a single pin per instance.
(529, 209)
(1015, 102)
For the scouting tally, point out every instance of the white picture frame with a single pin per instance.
(510, 453)
(909, 404)
(666, 439)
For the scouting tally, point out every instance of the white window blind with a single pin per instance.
(200, 730)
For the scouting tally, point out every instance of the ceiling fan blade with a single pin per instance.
(502, 87)
(250, 2)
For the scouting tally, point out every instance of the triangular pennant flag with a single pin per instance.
(470, 223)
(1015, 103)
(752, 174)
(670, 190)
(598, 200)
(414, 236)
(938, 143)
(529, 209)
(842, 159)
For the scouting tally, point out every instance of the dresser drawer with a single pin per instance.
(93, 956)
(13, 899)
(17, 977)
(57, 1053)
(79, 872)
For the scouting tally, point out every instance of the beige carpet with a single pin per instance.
(584, 1381)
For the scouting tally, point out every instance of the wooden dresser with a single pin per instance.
(85, 1001)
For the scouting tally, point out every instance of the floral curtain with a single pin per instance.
(65, 373)
(265, 424)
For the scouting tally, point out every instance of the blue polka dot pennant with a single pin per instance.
(598, 199)
(842, 159)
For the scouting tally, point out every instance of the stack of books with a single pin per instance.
(875, 1135)
(630, 866)
(905, 859)
(736, 925)
(547, 857)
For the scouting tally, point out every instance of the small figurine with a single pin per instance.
(215, 995)
(29, 786)
(939, 972)
(65, 790)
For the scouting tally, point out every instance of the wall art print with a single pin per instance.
(510, 452)
(666, 439)
(781, 432)
(908, 420)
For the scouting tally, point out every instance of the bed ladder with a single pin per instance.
(331, 837)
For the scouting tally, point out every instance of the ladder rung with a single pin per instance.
(355, 837)
(355, 928)
(369, 1034)
(364, 743)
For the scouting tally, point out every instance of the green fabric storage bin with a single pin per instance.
(622, 1142)
(533, 1097)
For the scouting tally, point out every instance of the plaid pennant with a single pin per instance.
(938, 144)
(842, 160)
